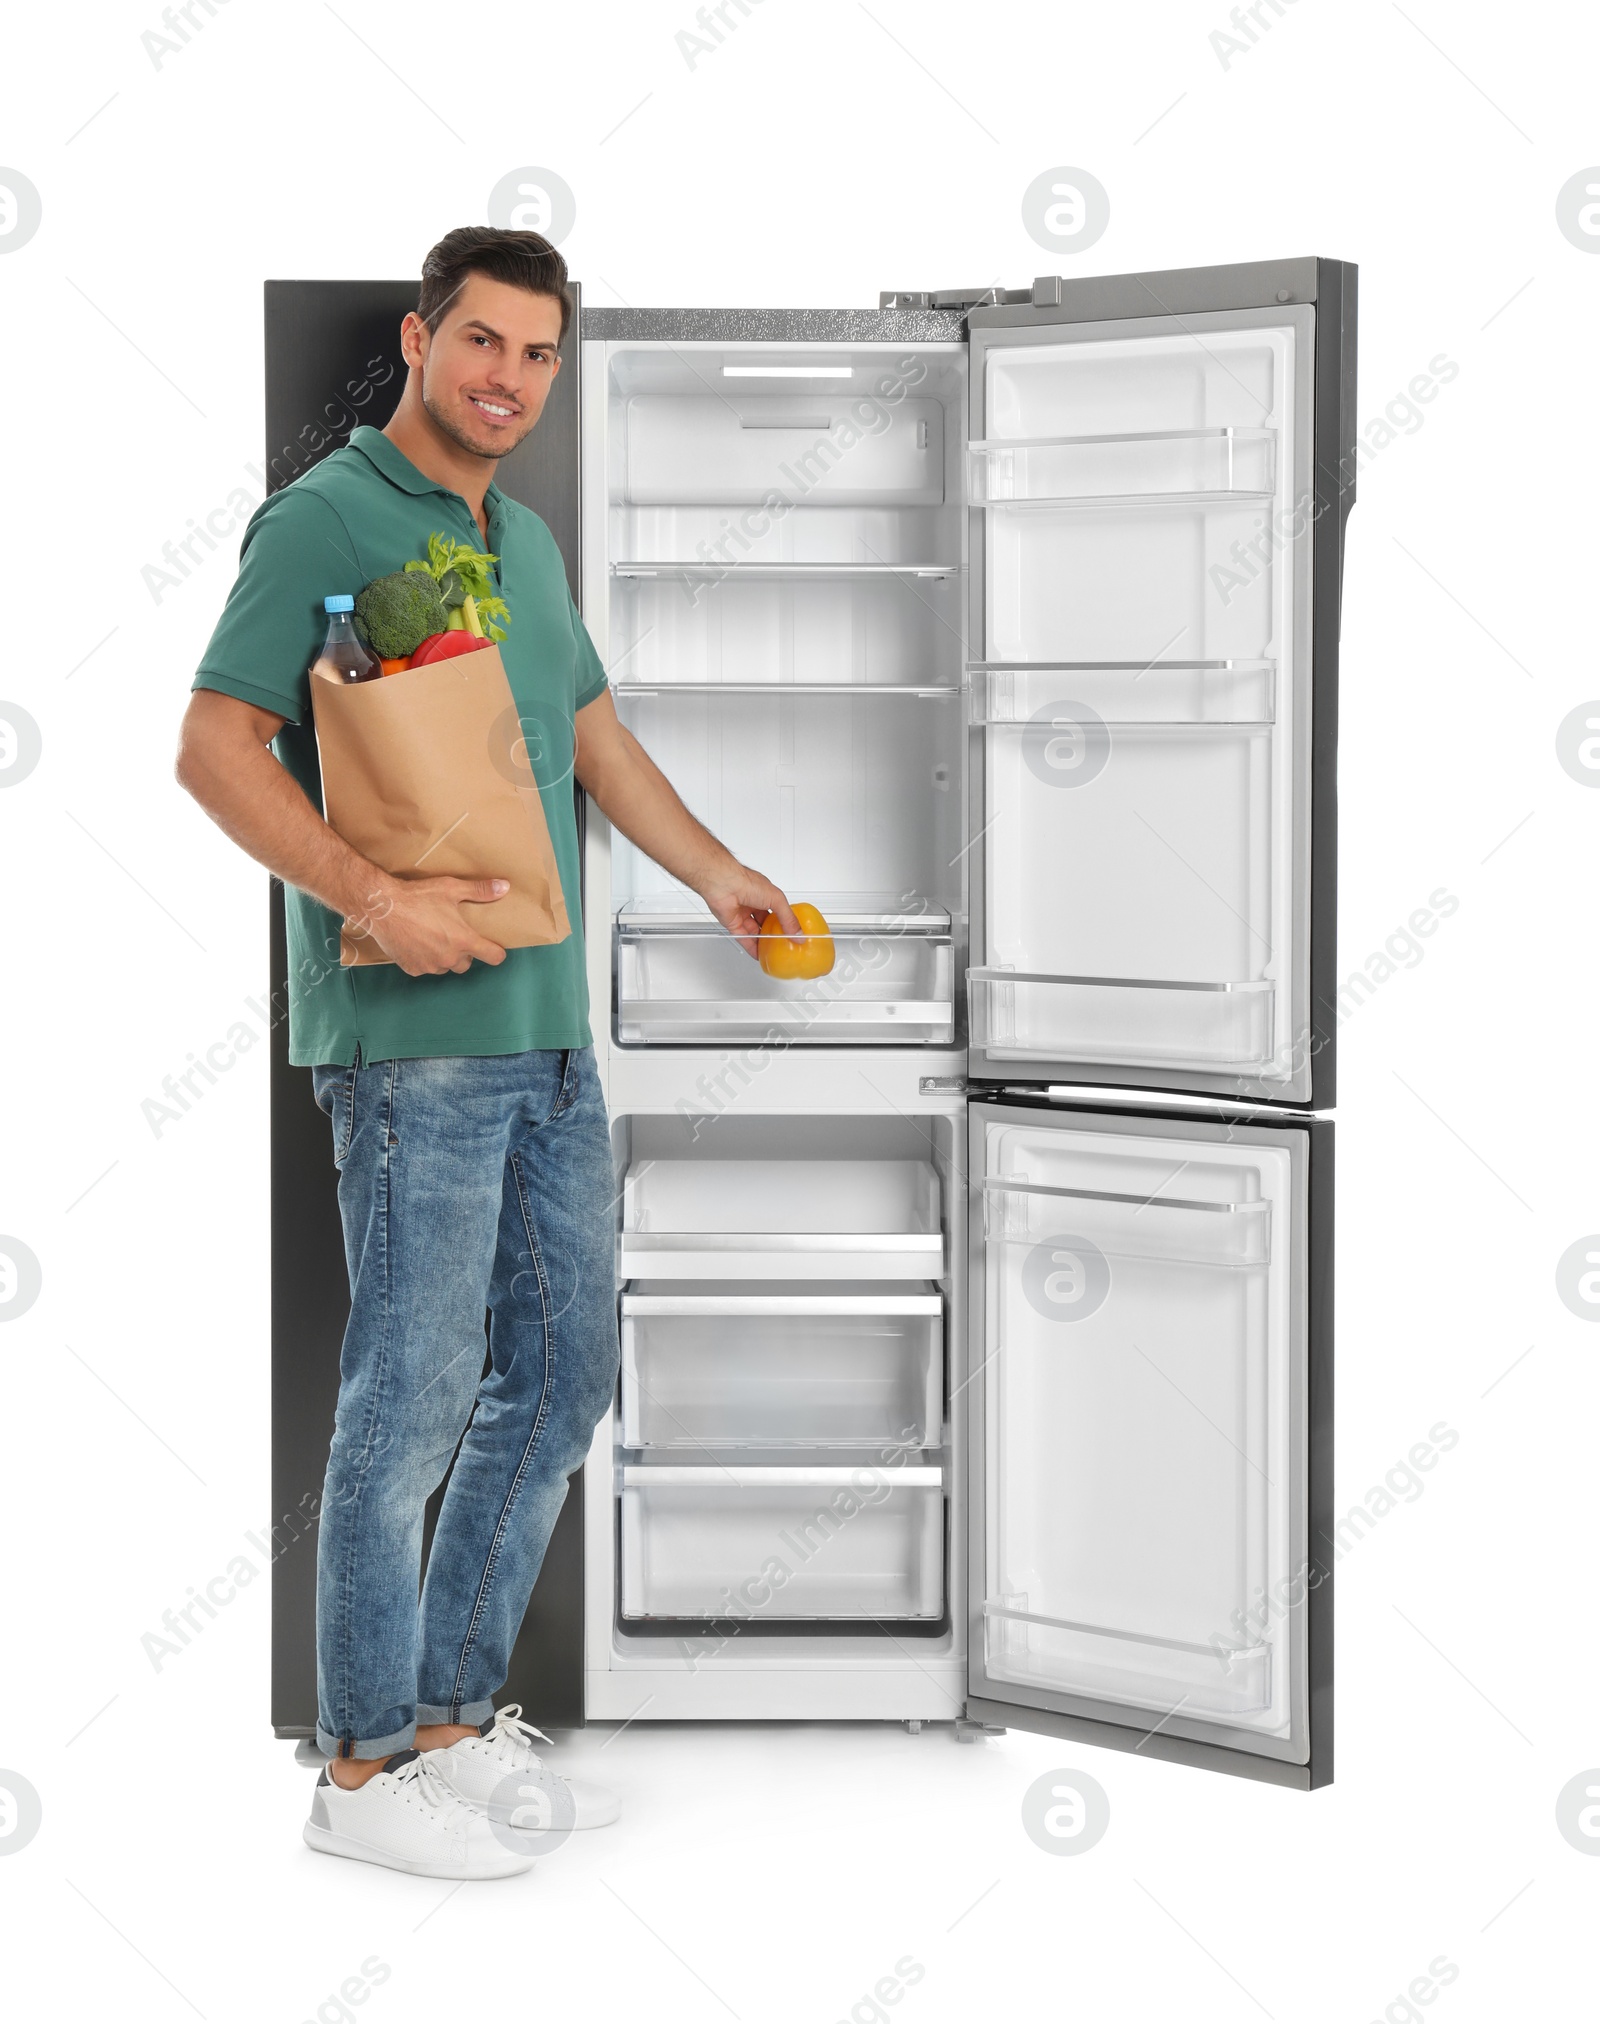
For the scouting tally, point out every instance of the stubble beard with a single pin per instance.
(447, 425)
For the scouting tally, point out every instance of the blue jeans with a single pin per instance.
(466, 1183)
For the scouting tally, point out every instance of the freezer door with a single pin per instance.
(1158, 472)
(1149, 1410)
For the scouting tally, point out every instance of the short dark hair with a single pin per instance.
(521, 259)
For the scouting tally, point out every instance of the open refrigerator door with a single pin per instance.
(1158, 480)
(1158, 495)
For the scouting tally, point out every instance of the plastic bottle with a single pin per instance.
(341, 649)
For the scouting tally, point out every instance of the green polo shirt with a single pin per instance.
(362, 512)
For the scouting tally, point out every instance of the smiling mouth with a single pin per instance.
(493, 411)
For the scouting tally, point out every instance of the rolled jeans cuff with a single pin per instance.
(375, 1746)
(471, 1714)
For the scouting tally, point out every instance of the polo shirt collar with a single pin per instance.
(398, 468)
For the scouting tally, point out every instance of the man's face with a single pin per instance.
(487, 369)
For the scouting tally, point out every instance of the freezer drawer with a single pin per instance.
(891, 983)
(785, 1367)
(781, 1218)
(782, 1544)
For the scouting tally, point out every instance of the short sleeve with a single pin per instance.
(295, 553)
(589, 676)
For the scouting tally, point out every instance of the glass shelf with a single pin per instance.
(623, 690)
(757, 1476)
(885, 912)
(1165, 467)
(782, 1254)
(778, 572)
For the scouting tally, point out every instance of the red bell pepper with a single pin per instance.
(446, 646)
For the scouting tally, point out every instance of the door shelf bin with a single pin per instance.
(1163, 1226)
(781, 1368)
(1193, 464)
(782, 1219)
(1027, 1016)
(782, 1544)
(687, 985)
(1162, 696)
(1150, 1671)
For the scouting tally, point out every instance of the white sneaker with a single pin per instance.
(480, 1768)
(406, 1817)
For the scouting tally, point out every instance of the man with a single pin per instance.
(468, 1125)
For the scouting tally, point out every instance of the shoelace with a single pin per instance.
(511, 1737)
(432, 1790)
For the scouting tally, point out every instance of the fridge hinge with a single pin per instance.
(1044, 294)
(943, 1085)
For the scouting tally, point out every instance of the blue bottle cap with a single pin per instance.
(338, 604)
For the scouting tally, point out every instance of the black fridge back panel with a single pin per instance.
(333, 361)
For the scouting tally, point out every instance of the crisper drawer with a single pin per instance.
(690, 986)
(787, 1367)
(782, 1544)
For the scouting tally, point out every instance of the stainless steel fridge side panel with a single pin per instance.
(1334, 482)
(1198, 1744)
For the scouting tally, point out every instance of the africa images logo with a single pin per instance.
(1066, 1278)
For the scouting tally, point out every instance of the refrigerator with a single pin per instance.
(975, 1297)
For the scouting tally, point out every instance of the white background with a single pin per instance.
(820, 153)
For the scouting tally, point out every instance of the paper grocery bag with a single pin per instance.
(426, 772)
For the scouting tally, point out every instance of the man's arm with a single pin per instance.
(635, 796)
(224, 763)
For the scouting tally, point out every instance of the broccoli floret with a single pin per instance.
(397, 613)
